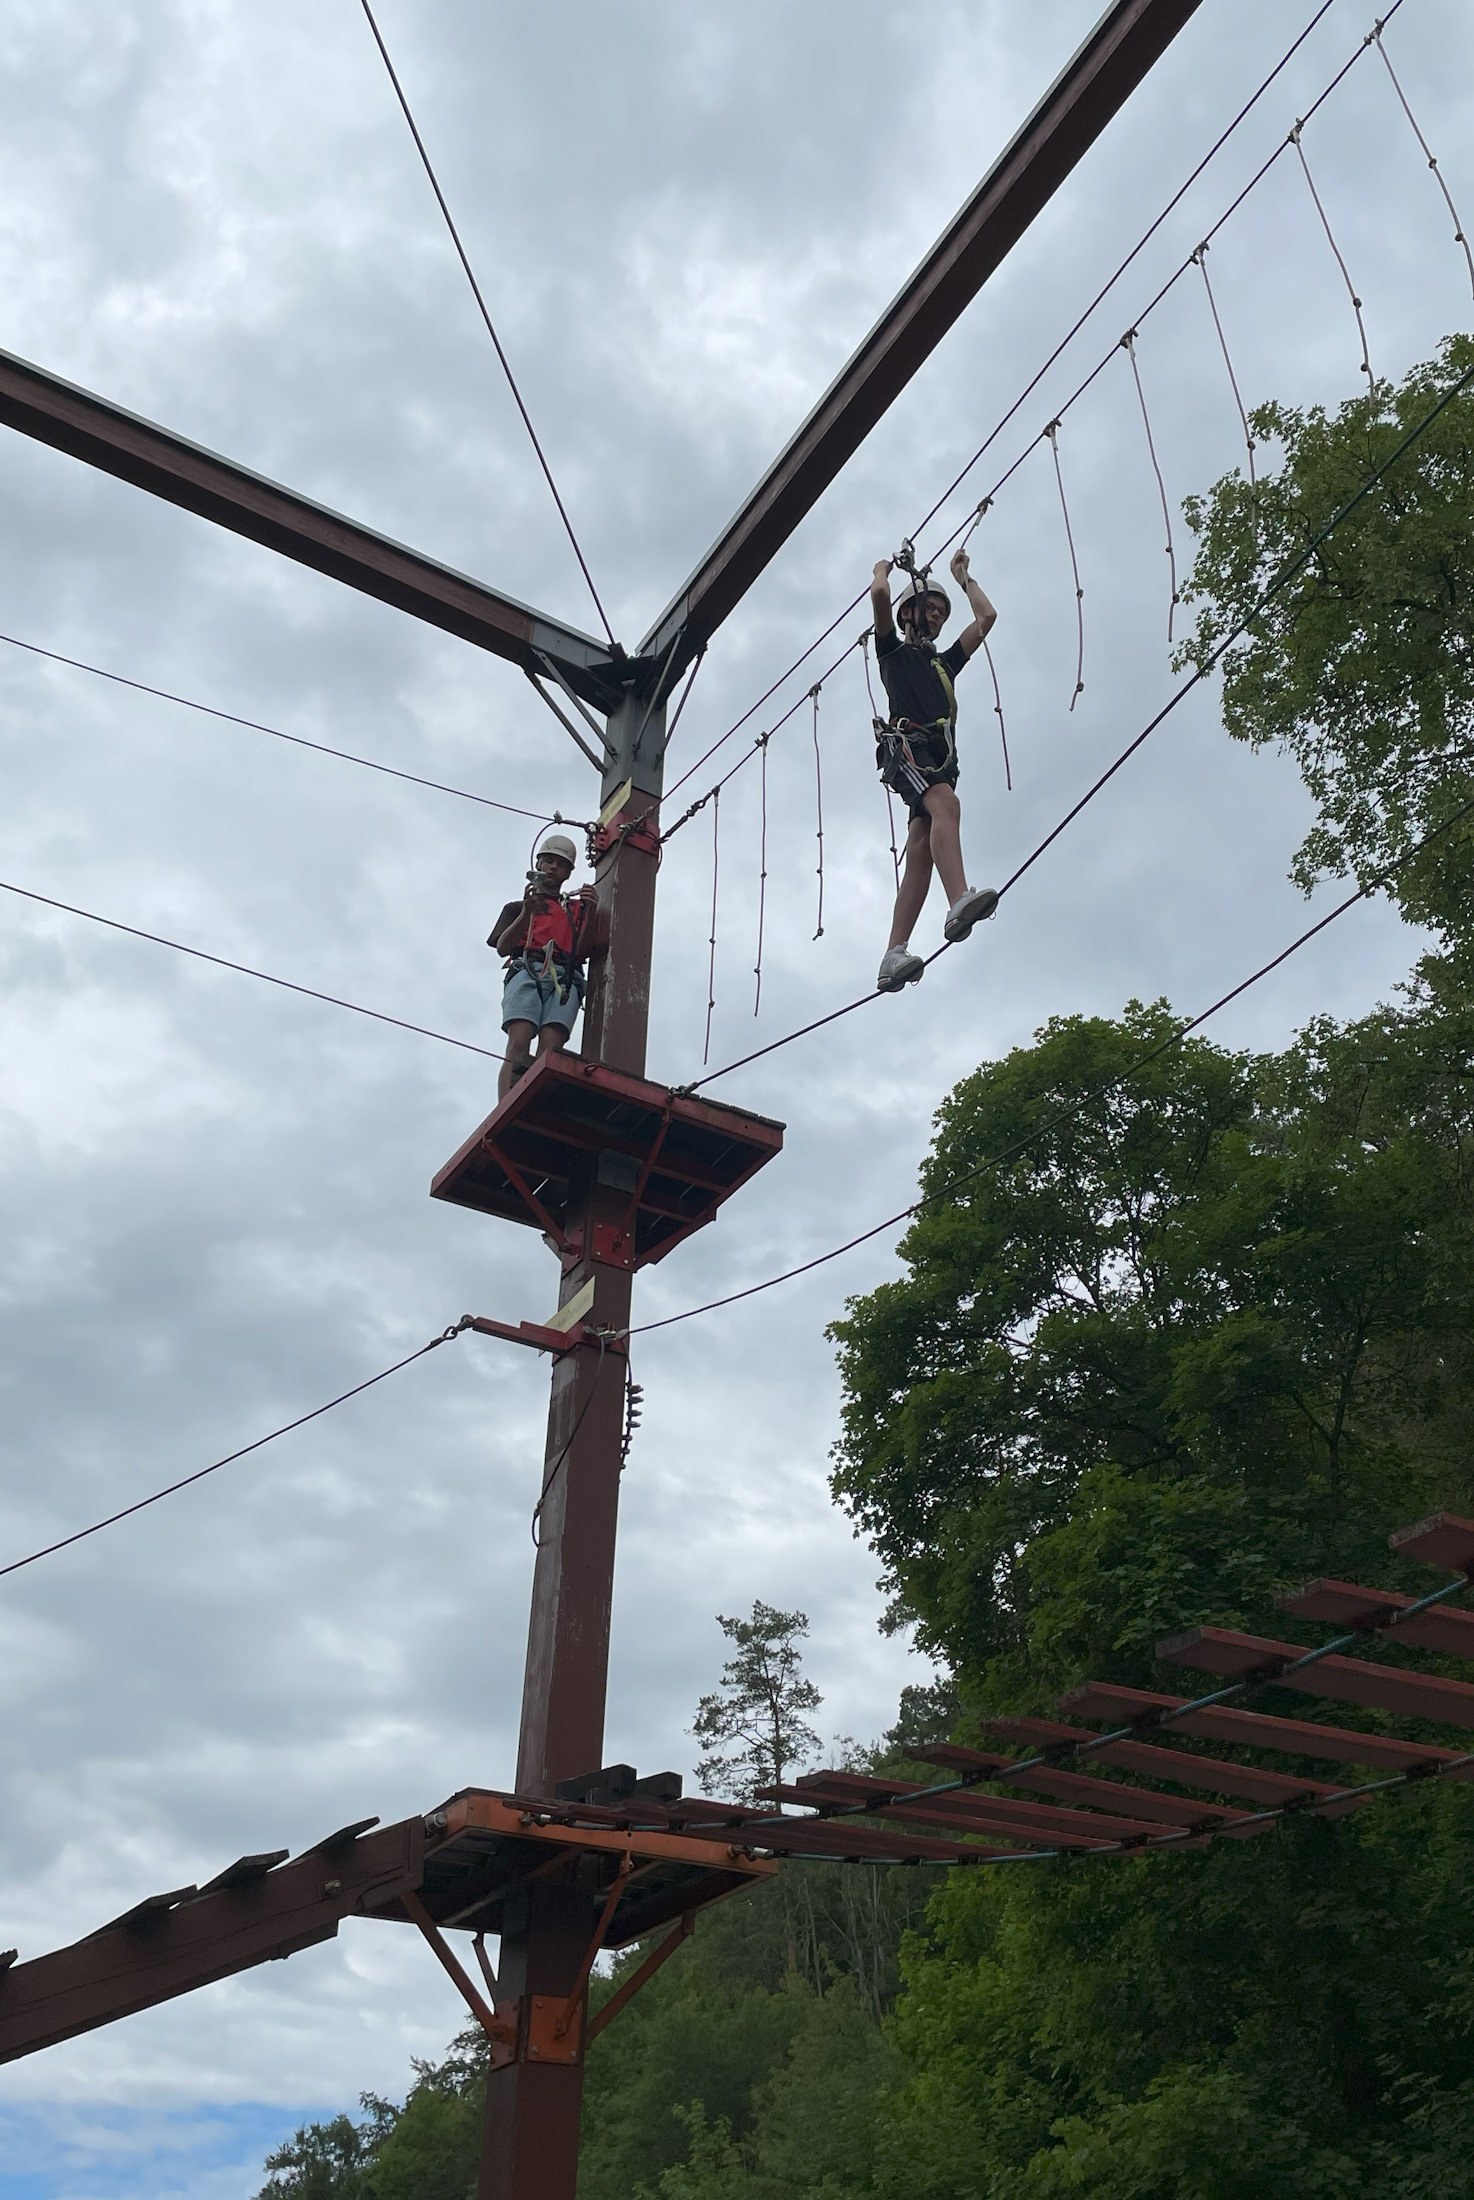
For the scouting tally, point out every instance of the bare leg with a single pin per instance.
(915, 882)
(552, 1039)
(946, 841)
(519, 1056)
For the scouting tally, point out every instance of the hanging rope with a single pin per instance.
(1052, 431)
(762, 881)
(876, 720)
(818, 804)
(711, 973)
(1128, 345)
(1375, 38)
(1366, 359)
(998, 713)
(1200, 258)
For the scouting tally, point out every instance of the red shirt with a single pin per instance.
(554, 923)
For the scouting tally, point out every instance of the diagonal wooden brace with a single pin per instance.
(576, 1991)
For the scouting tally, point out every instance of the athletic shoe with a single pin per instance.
(970, 909)
(898, 968)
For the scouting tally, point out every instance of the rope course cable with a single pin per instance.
(1089, 1745)
(1459, 236)
(818, 805)
(126, 1512)
(1128, 345)
(762, 879)
(1002, 727)
(506, 366)
(1065, 1115)
(244, 970)
(711, 970)
(875, 720)
(1366, 360)
(1267, 595)
(255, 725)
(1060, 348)
(1052, 432)
(1201, 257)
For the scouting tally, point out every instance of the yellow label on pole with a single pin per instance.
(616, 802)
(573, 1310)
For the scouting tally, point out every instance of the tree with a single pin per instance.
(758, 1705)
(1363, 667)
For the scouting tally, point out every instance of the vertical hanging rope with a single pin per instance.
(1375, 38)
(711, 968)
(1366, 359)
(1128, 345)
(998, 713)
(1201, 259)
(762, 877)
(818, 804)
(1052, 431)
(877, 721)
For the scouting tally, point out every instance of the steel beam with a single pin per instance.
(182, 1941)
(1129, 38)
(41, 405)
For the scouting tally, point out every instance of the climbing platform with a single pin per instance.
(569, 1124)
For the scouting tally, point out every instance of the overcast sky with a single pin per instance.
(214, 1196)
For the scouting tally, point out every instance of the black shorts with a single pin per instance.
(931, 751)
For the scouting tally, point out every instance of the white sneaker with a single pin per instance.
(970, 909)
(898, 968)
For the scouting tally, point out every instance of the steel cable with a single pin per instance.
(245, 970)
(455, 238)
(142, 1504)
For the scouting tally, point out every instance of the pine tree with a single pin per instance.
(757, 1711)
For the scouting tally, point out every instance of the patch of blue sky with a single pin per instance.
(69, 2151)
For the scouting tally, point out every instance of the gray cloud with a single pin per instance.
(214, 1196)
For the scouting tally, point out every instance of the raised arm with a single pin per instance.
(983, 614)
(880, 599)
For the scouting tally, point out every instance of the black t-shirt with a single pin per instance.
(918, 680)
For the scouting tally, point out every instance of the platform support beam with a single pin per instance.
(532, 2108)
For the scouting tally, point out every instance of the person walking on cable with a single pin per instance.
(917, 752)
(546, 938)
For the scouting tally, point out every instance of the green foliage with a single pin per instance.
(1363, 668)
(1213, 1319)
(752, 1727)
(427, 2150)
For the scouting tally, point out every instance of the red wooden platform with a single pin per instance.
(569, 1123)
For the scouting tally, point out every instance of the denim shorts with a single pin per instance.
(529, 1000)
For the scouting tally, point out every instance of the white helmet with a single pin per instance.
(559, 844)
(915, 589)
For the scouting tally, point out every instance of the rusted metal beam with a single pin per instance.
(1128, 40)
(1225, 1651)
(173, 1944)
(625, 1993)
(101, 434)
(1111, 1702)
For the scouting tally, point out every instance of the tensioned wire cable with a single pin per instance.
(1062, 346)
(455, 238)
(297, 740)
(1065, 1115)
(126, 1512)
(245, 970)
(1286, 574)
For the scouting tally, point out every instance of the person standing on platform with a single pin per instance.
(917, 753)
(546, 938)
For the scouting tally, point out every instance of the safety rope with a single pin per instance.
(875, 720)
(1128, 345)
(1366, 361)
(711, 973)
(998, 713)
(1375, 37)
(1201, 258)
(762, 880)
(1052, 432)
(818, 804)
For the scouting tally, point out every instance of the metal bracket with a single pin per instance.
(500, 2025)
(599, 733)
(685, 1927)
